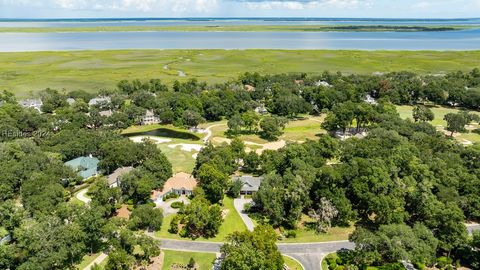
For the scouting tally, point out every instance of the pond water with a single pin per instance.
(166, 132)
(448, 40)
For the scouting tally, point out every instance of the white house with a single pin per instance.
(32, 103)
(150, 118)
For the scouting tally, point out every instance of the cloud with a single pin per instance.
(305, 4)
(176, 6)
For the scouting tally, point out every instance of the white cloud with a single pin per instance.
(176, 6)
(305, 5)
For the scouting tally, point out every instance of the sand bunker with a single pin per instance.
(156, 140)
(187, 147)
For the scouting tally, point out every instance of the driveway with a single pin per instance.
(167, 206)
(240, 206)
(81, 196)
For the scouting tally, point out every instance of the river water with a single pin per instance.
(446, 40)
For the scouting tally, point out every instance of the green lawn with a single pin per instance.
(406, 112)
(296, 130)
(28, 72)
(306, 236)
(292, 264)
(87, 259)
(232, 223)
(182, 161)
(204, 260)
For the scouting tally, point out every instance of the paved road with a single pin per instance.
(239, 206)
(310, 255)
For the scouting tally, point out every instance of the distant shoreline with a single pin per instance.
(244, 28)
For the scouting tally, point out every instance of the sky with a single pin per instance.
(239, 8)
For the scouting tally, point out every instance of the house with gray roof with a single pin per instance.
(32, 103)
(150, 118)
(99, 101)
(251, 184)
(85, 167)
(114, 178)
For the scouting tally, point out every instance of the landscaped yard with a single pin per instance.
(27, 72)
(204, 260)
(292, 264)
(406, 112)
(232, 222)
(307, 235)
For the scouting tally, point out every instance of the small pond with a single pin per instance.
(166, 132)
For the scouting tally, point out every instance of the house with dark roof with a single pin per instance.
(114, 178)
(85, 167)
(251, 184)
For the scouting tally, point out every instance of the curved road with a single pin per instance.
(310, 255)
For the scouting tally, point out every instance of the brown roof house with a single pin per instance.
(181, 184)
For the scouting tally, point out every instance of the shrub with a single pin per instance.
(442, 262)
(420, 266)
(291, 234)
(191, 263)
(174, 225)
(176, 205)
(332, 266)
(171, 195)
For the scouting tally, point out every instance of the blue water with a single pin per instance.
(447, 40)
(228, 21)
(450, 40)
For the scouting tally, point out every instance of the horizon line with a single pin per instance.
(237, 17)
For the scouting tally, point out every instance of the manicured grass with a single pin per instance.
(232, 223)
(243, 28)
(25, 73)
(292, 264)
(300, 130)
(204, 260)
(296, 130)
(87, 259)
(182, 161)
(306, 236)
(406, 112)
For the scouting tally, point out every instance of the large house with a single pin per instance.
(114, 178)
(32, 103)
(181, 184)
(85, 167)
(99, 101)
(251, 184)
(150, 118)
